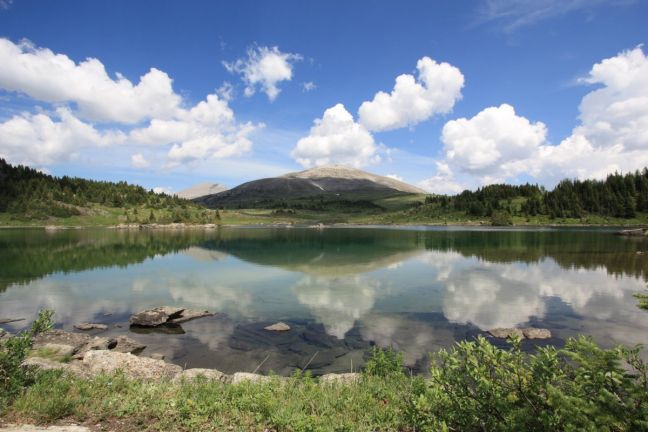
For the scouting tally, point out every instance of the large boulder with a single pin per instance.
(103, 361)
(504, 333)
(166, 315)
(128, 345)
(61, 337)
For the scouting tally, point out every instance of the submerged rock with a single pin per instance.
(278, 327)
(166, 315)
(90, 326)
(10, 320)
(536, 333)
(504, 333)
(528, 333)
(103, 361)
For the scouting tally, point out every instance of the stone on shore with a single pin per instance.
(536, 333)
(166, 315)
(132, 366)
(73, 368)
(278, 327)
(90, 326)
(4, 335)
(56, 336)
(128, 345)
(342, 378)
(240, 377)
(504, 333)
(59, 349)
(209, 374)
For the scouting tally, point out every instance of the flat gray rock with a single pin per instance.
(155, 317)
(90, 326)
(343, 378)
(74, 368)
(103, 361)
(188, 315)
(128, 345)
(209, 374)
(241, 377)
(62, 337)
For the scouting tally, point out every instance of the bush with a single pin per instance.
(384, 362)
(13, 377)
(476, 386)
(501, 218)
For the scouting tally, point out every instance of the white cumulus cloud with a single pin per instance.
(337, 139)
(413, 100)
(264, 67)
(139, 161)
(55, 78)
(443, 182)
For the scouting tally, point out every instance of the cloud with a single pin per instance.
(498, 144)
(443, 182)
(308, 86)
(264, 67)
(413, 100)
(336, 139)
(395, 177)
(163, 190)
(93, 109)
(491, 139)
(139, 161)
(35, 139)
(55, 78)
(514, 14)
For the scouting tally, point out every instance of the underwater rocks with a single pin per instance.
(278, 327)
(166, 315)
(528, 333)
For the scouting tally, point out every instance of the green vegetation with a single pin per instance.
(473, 386)
(13, 351)
(30, 197)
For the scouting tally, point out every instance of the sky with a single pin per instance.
(445, 95)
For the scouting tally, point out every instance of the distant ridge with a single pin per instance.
(328, 181)
(201, 189)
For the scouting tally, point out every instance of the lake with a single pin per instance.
(340, 289)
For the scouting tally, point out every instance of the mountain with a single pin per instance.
(201, 189)
(332, 182)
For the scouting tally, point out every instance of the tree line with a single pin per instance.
(32, 194)
(619, 195)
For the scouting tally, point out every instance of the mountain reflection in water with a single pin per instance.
(340, 289)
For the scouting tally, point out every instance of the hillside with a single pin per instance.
(336, 183)
(28, 196)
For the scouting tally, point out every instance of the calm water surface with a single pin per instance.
(340, 289)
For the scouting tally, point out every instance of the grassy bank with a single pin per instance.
(472, 387)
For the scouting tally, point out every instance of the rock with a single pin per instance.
(73, 368)
(128, 345)
(94, 344)
(90, 326)
(157, 356)
(188, 315)
(633, 232)
(343, 378)
(240, 377)
(536, 333)
(504, 333)
(278, 327)
(209, 374)
(155, 317)
(4, 334)
(31, 428)
(132, 366)
(10, 320)
(77, 340)
(59, 349)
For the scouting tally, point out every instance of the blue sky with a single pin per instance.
(537, 57)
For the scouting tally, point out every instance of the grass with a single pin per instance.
(472, 387)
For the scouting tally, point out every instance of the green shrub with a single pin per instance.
(13, 351)
(501, 218)
(384, 362)
(476, 386)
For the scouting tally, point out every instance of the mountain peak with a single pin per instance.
(201, 189)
